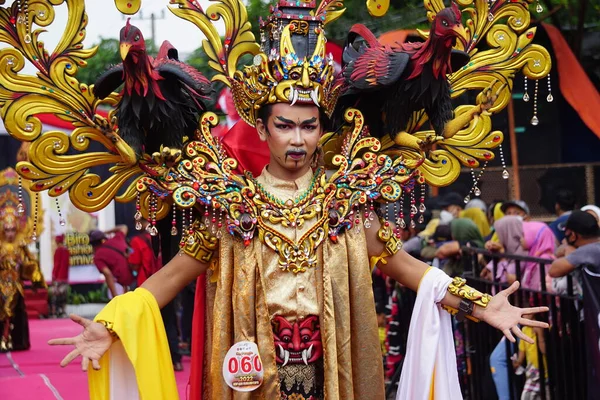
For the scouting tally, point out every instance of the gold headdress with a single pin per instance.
(293, 66)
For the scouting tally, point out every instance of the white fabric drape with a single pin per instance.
(430, 370)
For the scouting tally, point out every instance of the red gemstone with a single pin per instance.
(529, 35)
(58, 189)
(83, 89)
(334, 218)
(246, 222)
(496, 138)
(333, 238)
(25, 170)
(378, 180)
(471, 161)
(39, 186)
(196, 186)
(129, 5)
(487, 155)
(13, 20)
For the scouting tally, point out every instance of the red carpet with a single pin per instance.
(36, 373)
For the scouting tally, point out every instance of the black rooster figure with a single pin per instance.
(389, 83)
(162, 99)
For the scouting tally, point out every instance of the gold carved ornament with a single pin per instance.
(55, 90)
(509, 50)
(459, 288)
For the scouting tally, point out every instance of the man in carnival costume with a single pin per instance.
(17, 265)
(288, 301)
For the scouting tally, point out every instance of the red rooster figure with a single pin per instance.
(389, 83)
(162, 99)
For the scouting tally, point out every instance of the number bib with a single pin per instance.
(242, 368)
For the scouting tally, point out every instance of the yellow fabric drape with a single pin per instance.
(136, 319)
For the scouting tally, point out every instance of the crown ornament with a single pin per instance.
(292, 65)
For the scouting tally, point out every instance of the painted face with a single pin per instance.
(292, 133)
(10, 233)
(298, 342)
(515, 211)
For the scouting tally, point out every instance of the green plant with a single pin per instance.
(93, 296)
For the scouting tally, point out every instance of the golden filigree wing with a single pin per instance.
(223, 54)
(59, 161)
(509, 48)
(363, 173)
(203, 177)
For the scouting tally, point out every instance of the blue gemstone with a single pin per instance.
(444, 162)
(68, 65)
(90, 194)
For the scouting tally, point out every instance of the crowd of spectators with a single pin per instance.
(571, 242)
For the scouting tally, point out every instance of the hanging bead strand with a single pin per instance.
(538, 7)
(20, 206)
(413, 209)
(549, 98)
(61, 220)
(505, 174)
(534, 119)
(190, 239)
(525, 92)
(422, 207)
(27, 38)
(174, 220)
(138, 213)
(401, 223)
(153, 230)
(35, 217)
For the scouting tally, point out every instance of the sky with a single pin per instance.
(105, 21)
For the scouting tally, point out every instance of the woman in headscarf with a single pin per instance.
(479, 218)
(594, 210)
(464, 233)
(540, 242)
(511, 236)
(510, 241)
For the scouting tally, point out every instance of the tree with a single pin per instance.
(106, 56)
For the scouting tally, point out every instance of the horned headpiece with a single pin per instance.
(292, 66)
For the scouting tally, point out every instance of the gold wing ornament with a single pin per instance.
(502, 29)
(59, 161)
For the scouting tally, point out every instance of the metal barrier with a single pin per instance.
(565, 340)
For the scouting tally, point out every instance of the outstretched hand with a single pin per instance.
(502, 315)
(91, 344)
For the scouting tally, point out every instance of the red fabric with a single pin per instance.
(243, 144)
(575, 85)
(198, 335)
(115, 261)
(60, 272)
(53, 120)
(143, 255)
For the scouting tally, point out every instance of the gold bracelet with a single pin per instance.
(109, 327)
(459, 288)
(393, 244)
